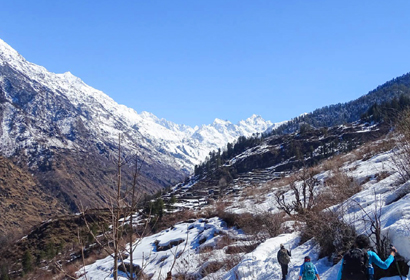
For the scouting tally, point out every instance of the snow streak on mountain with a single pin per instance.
(107, 119)
(44, 116)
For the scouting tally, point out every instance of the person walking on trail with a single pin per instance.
(308, 270)
(357, 263)
(284, 259)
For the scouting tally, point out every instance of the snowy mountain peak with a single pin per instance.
(255, 117)
(68, 77)
(145, 114)
(8, 54)
(6, 49)
(258, 121)
(178, 145)
(221, 122)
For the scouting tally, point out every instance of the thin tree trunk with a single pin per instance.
(117, 213)
(133, 204)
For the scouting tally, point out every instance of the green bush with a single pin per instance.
(27, 262)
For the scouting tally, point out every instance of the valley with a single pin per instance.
(91, 189)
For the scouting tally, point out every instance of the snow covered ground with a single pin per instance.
(390, 197)
(153, 254)
(393, 201)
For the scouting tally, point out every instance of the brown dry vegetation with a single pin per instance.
(262, 225)
(401, 159)
(339, 188)
(23, 203)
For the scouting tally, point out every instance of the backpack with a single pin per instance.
(309, 271)
(355, 265)
(283, 256)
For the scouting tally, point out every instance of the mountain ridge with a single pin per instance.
(348, 112)
(65, 133)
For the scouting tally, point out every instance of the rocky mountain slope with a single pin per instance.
(21, 198)
(65, 133)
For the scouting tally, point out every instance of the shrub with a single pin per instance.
(332, 234)
(211, 267)
(401, 158)
(340, 187)
(263, 226)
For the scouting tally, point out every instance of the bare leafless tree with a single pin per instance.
(372, 219)
(123, 207)
(401, 158)
(302, 185)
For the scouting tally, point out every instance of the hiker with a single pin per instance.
(357, 262)
(308, 270)
(284, 259)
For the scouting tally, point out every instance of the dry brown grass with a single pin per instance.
(334, 163)
(244, 249)
(339, 188)
(382, 175)
(256, 192)
(261, 226)
(169, 220)
(370, 149)
(223, 242)
(71, 269)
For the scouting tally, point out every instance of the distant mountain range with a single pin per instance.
(65, 133)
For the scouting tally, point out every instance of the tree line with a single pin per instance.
(218, 158)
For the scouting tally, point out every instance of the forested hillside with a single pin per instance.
(342, 113)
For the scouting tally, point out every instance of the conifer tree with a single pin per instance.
(27, 262)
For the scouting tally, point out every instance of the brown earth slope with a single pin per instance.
(22, 201)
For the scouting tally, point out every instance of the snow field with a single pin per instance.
(194, 237)
(391, 200)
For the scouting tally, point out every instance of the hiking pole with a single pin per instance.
(395, 260)
(398, 268)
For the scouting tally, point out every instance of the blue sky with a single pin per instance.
(193, 61)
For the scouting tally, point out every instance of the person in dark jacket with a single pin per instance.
(284, 259)
(363, 242)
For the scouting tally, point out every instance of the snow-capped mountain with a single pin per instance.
(49, 118)
(220, 132)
